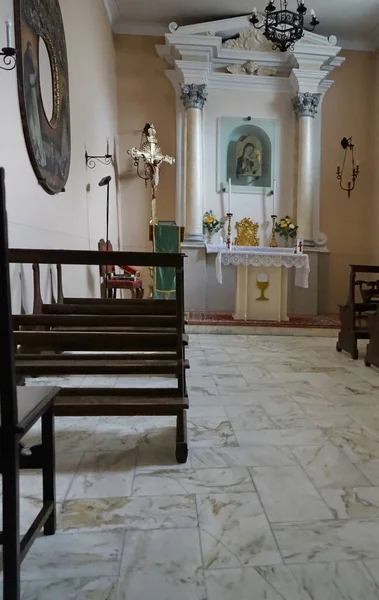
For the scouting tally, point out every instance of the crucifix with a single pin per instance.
(151, 154)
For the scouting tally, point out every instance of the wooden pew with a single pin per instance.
(151, 346)
(355, 313)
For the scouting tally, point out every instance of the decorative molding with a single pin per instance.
(193, 95)
(249, 39)
(251, 68)
(306, 104)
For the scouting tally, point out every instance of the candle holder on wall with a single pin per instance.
(273, 243)
(347, 144)
(8, 57)
(105, 159)
(8, 54)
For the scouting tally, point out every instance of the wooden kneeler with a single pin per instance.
(20, 409)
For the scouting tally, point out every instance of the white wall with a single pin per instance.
(260, 105)
(76, 218)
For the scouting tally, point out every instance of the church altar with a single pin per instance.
(262, 279)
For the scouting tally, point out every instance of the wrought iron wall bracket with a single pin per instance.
(105, 159)
(8, 58)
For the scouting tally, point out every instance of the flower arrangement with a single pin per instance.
(211, 223)
(286, 228)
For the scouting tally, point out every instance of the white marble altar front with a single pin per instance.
(255, 264)
(278, 501)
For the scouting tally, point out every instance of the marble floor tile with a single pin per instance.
(164, 565)
(288, 495)
(106, 475)
(210, 431)
(328, 541)
(330, 416)
(252, 373)
(249, 456)
(200, 412)
(67, 464)
(373, 567)
(94, 588)
(192, 481)
(353, 503)
(328, 467)
(249, 417)
(370, 470)
(73, 555)
(245, 398)
(359, 445)
(336, 581)
(234, 531)
(260, 583)
(152, 456)
(202, 385)
(280, 437)
(155, 512)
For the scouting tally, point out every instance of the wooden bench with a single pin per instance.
(151, 346)
(20, 409)
(355, 313)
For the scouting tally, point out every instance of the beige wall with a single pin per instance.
(347, 111)
(375, 151)
(145, 95)
(75, 219)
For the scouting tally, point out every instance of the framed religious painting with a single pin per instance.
(246, 154)
(43, 88)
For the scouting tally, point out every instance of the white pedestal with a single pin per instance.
(248, 305)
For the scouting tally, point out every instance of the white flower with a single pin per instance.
(292, 226)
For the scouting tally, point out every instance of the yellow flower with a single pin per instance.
(283, 225)
(209, 220)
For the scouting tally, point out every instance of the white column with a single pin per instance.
(305, 106)
(194, 97)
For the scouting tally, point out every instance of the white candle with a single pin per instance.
(273, 198)
(230, 197)
(9, 28)
(313, 14)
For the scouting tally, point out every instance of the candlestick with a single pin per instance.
(273, 243)
(230, 196)
(9, 28)
(229, 238)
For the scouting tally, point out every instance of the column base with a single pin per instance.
(194, 239)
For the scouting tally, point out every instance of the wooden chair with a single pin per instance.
(20, 409)
(355, 313)
(111, 282)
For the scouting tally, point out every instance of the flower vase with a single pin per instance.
(208, 237)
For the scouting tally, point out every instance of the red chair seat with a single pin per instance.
(119, 283)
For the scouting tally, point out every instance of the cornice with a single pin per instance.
(112, 11)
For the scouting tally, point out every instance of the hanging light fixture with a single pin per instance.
(283, 27)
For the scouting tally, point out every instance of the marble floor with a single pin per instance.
(279, 499)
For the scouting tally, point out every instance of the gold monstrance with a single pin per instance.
(151, 154)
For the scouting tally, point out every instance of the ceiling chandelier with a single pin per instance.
(283, 27)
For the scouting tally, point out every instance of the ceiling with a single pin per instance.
(354, 22)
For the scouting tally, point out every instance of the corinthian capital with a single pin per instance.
(306, 104)
(193, 95)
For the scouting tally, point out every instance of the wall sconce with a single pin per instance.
(104, 159)
(347, 144)
(8, 54)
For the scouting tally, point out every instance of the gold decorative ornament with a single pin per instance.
(246, 233)
(262, 284)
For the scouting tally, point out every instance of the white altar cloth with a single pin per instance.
(262, 257)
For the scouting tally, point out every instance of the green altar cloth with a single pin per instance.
(166, 238)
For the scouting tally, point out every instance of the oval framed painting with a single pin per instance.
(47, 132)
